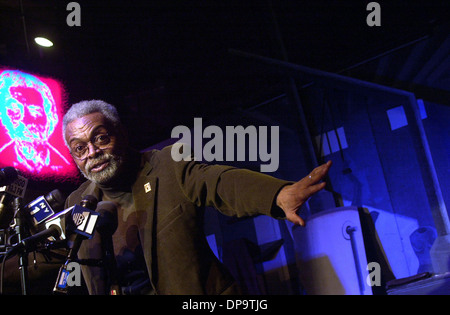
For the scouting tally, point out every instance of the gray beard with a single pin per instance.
(108, 173)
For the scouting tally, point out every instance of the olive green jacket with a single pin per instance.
(169, 199)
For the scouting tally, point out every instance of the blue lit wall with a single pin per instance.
(375, 166)
(378, 165)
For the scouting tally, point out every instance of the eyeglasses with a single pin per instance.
(80, 150)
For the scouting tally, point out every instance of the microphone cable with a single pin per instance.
(2, 272)
(2, 267)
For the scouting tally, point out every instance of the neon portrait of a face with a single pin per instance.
(29, 114)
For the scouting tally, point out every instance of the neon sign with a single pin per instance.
(30, 126)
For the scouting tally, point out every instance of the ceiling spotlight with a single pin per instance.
(42, 41)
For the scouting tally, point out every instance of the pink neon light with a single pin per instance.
(31, 109)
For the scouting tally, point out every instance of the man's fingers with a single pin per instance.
(295, 218)
(318, 173)
(292, 197)
(311, 190)
(315, 188)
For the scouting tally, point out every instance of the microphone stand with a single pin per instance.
(23, 255)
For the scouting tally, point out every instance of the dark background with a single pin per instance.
(162, 63)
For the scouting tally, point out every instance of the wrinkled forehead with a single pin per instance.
(86, 125)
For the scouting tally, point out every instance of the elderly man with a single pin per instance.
(159, 243)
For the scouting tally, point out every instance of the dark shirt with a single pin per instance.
(132, 269)
(131, 266)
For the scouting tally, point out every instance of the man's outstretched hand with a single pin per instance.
(292, 197)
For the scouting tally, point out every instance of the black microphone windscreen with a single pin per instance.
(89, 202)
(8, 175)
(107, 222)
(56, 200)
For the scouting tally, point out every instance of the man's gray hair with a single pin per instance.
(84, 108)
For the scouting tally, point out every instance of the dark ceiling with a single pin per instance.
(168, 61)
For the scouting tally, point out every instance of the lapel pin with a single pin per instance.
(147, 187)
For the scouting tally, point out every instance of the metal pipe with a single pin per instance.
(351, 232)
(332, 80)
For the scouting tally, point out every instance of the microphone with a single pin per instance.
(12, 185)
(107, 223)
(82, 223)
(44, 207)
(44, 221)
(8, 175)
(30, 243)
(53, 227)
(83, 218)
(106, 227)
(58, 221)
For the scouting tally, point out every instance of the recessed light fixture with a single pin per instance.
(42, 41)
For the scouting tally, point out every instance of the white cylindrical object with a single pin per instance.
(327, 260)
